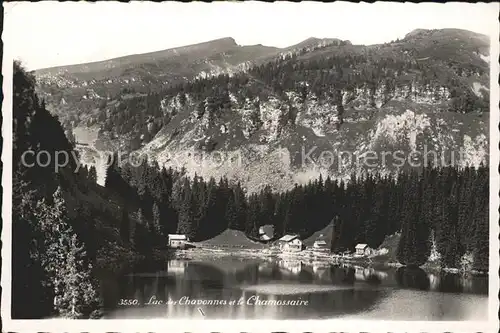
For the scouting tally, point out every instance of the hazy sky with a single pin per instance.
(46, 34)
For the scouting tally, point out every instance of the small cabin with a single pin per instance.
(177, 241)
(363, 250)
(290, 243)
(320, 245)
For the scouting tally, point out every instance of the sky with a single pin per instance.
(47, 34)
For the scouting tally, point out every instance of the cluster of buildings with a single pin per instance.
(287, 243)
(293, 243)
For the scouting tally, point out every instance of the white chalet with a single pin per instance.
(177, 241)
(290, 243)
(363, 250)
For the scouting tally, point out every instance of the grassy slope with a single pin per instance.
(391, 244)
(232, 238)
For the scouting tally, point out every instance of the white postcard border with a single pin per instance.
(191, 325)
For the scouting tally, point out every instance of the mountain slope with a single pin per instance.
(428, 91)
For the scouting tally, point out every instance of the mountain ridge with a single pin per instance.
(471, 33)
(232, 41)
(226, 41)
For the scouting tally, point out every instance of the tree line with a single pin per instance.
(442, 208)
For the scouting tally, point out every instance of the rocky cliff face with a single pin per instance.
(271, 117)
(281, 144)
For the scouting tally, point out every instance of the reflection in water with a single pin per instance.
(412, 278)
(320, 268)
(292, 266)
(176, 267)
(232, 288)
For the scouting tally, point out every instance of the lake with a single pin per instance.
(243, 288)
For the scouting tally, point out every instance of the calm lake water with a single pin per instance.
(237, 288)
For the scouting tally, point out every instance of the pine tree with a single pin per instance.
(377, 225)
(341, 240)
(465, 207)
(198, 207)
(132, 231)
(441, 218)
(241, 207)
(286, 214)
(231, 214)
(156, 219)
(142, 236)
(267, 206)
(62, 258)
(481, 242)
(279, 216)
(125, 227)
(147, 202)
(168, 216)
(252, 224)
(222, 197)
(78, 295)
(185, 209)
(454, 248)
(208, 227)
(429, 196)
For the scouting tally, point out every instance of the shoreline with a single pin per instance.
(307, 256)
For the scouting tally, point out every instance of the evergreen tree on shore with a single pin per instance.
(65, 261)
